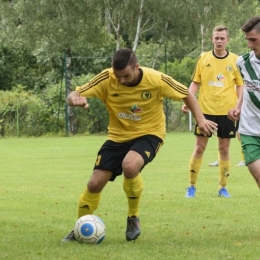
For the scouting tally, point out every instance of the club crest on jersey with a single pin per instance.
(220, 77)
(229, 68)
(136, 109)
(146, 95)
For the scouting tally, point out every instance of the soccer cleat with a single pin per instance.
(223, 193)
(214, 164)
(242, 163)
(191, 191)
(69, 238)
(132, 228)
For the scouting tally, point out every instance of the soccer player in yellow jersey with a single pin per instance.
(219, 84)
(133, 96)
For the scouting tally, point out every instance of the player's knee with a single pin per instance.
(130, 170)
(94, 186)
(200, 149)
(223, 150)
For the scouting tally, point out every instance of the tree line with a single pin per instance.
(50, 46)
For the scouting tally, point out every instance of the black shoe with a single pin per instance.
(69, 238)
(133, 228)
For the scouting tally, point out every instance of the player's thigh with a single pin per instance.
(132, 163)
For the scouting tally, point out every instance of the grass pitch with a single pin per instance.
(41, 179)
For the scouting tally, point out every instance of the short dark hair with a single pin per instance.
(122, 58)
(252, 23)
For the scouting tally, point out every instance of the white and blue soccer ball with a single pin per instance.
(90, 229)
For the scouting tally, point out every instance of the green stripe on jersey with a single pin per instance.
(253, 76)
(254, 99)
(249, 67)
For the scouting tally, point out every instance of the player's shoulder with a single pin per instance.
(150, 72)
(247, 57)
(205, 56)
(232, 55)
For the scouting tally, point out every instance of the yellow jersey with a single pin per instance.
(218, 78)
(137, 110)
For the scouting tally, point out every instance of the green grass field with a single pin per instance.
(41, 179)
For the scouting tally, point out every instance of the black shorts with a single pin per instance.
(112, 154)
(226, 127)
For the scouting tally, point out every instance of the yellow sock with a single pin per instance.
(88, 202)
(133, 189)
(242, 156)
(224, 168)
(194, 168)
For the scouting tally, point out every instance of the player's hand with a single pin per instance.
(234, 114)
(74, 100)
(207, 127)
(80, 102)
(184, 109)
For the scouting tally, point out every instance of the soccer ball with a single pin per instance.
(90, 229)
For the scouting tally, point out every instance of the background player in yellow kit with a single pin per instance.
(133, 96)
(215, 76)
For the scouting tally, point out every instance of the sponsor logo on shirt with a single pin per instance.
(136, 109)
(220, 77)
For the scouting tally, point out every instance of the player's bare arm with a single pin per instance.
(234, 114)
(194, 87)
(74, 99)
(206, 127)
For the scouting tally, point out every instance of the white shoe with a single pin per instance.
(242, 163)
(214, 164)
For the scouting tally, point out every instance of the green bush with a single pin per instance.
(26, 114)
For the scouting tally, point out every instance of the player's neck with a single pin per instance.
(220, 53)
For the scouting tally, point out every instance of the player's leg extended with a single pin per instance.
(224, 161)
(133, 184)
(196, 159)
(224, 165)
(90, 198)
(133, 187)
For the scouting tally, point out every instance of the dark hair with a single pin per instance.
(122, 58)
(252, 23)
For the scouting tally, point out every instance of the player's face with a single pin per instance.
(220, 40)
(128, 76)
(253, 41)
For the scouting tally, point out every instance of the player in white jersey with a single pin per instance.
(247, 110)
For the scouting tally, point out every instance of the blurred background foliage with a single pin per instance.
(49, 47)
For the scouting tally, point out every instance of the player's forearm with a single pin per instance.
(239, 91)
(192, 103)
(240, 97)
